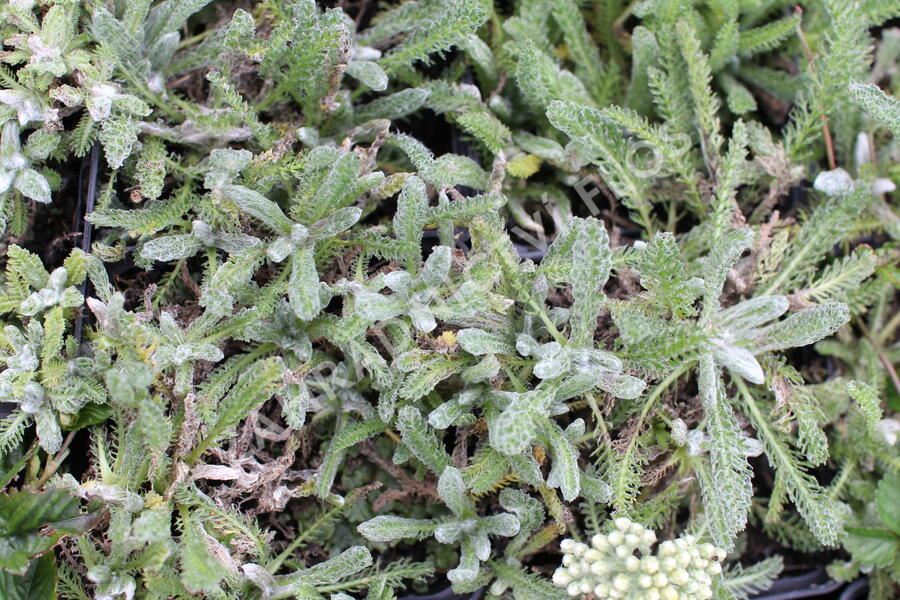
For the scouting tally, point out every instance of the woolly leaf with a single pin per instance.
(883, 108)
(453, 491)
(869, 404)
(421, 440)
(171, 247)
(385, 528)
(727, 493)
(201, 572)
(257, 206)
(368, 73)
(479, 342)
(33, 185)
(303, 285)
(801, 328)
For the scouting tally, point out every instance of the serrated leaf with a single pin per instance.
(514, 429)
(200, 571)
(564, 473)
(739, 361)
(118, 135)
(352, 560)
(23, 517)
(723, 256)
(591, 263)
(869, 403)
(800, 328)
(751, 313)
(170, 247)
(887, 500)
(385, 528)
(871, 546)
(339, 221)
(37, 583)
(436, 268)
(727, 491)
(394, 106)
(420, 440)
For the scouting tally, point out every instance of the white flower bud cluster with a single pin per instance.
(620, 564)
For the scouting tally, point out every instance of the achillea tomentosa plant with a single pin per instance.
(649, 301)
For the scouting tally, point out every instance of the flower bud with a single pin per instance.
(562, 577)
(669, 593)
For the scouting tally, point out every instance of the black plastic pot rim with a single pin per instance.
(809, 585)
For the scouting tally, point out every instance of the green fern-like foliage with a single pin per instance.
(297, 291)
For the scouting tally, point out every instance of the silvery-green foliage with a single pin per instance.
(465, 527)
(303, 583)
(299, 307)
(883, 108)
(412, 296)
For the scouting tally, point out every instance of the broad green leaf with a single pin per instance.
(37, 583)
(871, 546)
(24, 516)
(887, 500)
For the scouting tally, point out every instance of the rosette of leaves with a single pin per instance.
(42, 373)
(413, 296)
(181, 349)
(465, 527)
(49, 48)
(114, 110)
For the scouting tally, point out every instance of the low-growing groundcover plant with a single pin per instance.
(540, 299)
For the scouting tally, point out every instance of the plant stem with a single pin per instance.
(56, 461)
(879, 350)
(826, 132)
